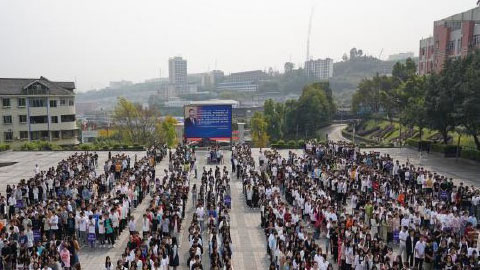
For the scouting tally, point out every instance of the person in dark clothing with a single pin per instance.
(410, 247)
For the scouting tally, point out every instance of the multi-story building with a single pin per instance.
(320, 69)
(425, 59)
(246, 76)
(237, 86)
(37, 109)
(177, 74)
(453, 37)
(401, 56)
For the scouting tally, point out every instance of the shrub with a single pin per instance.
(412, 143)
(301, 143)
(470, 154)
(4, 147)
(292, 144)
(39, 146)
(86, 147)
(116, 146)
(274, 145)
(29, 146)
(281, 144)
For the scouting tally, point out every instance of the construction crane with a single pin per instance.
(309, 32)
(380, 55)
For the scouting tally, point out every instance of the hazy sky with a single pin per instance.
(97, 41)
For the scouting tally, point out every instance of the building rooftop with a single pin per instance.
(469, 15)
(18, 86)
(216, 102)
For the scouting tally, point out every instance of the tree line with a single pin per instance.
(445, 101)
(141, 125)
(294, 118)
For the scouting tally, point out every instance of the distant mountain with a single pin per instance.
(138, 92)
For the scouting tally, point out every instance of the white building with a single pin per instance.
(37, 109)
(320, 69)
(401, 56)
(177, 74)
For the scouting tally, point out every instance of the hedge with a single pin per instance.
(4, 147)
(470, 154)
(39, 146)
(301, 143)
(48, 146)
(292, 144)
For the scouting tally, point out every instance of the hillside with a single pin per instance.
(138, 92)
(347, 75)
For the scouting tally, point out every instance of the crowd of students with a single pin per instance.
(155, 245)
(333, 206)
(210, 227)
(50, 216)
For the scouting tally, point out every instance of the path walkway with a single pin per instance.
(249, 244)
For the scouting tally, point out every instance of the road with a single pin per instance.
(334, 132)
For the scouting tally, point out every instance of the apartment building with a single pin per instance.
(453, 37)
(320, 69)
(37, 109)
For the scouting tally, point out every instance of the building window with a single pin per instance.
(54, 119)
(37, 89)
(63, 102)
(476, 40)
(459, 46)
(22, 119)
(21, 102)
(451, 46)
(38, 102)
(6, 102)
(53, 103)
(8, 136)
(55, 134)
(68, 118)
(68, 134)
(7, 119)
(43, 119)
(23, 135)
(39, 135)
(71, 102)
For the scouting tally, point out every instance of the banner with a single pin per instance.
(208, 121)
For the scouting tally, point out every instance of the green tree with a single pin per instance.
(167, 132)
(274, 115)
(439, 104)
(315, 108)
(411, 102)
(135, 123)
(258, 127)
(403, 72)
(371, 93)
(467, 106)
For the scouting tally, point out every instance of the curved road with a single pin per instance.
(334, 132)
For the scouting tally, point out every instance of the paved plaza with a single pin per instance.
(248, 238)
